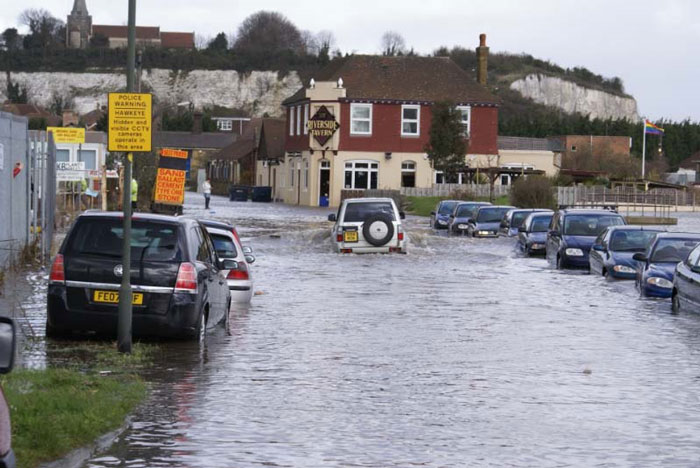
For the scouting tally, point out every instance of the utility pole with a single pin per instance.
(125, 293)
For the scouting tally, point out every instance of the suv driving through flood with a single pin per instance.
(368, 225)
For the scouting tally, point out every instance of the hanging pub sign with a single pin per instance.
(322, 125)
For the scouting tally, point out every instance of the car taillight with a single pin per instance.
(339, 238)
(58, 273)
(235, 234)
(186, 278)
(240, 273)
(400, 235)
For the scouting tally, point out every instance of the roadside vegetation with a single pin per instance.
(533, 192)
(56, 410)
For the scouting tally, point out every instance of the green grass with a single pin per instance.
(54, 411)
(422, 206)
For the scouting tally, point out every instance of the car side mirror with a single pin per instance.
(332, 218)
(402, 215)
(229, 264)
(250, 258)
(7, 344)
(640, 257)
(432, 213)
(599, 248)
(470, 220)
(452, 216)
(553, 233)
(522, 229)
(247, 250)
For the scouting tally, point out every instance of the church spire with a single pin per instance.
(79, 8)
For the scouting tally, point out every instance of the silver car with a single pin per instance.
(228, 247)
(368, 225)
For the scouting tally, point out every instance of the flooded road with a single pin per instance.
(461, 353)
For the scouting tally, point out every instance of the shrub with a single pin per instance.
(533, 192)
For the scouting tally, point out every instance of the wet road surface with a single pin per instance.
(461, 353)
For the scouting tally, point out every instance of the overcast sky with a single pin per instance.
(651, 44)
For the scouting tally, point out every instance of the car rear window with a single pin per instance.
(466, 211)
(224, 246)
(631, 241)
(358, 212)
(673, 250)
(150, 240)
(589, 225)
(491, 215)
(447, 207)
(518, 218)
(541, 223)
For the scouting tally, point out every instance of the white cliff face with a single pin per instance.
(571, 98)
(258, 92)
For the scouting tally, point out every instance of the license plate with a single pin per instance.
(112, 297)
(350, 236)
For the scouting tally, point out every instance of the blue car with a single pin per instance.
(572, 232)
(486, 221)
(658, 264)
(440, 218)
(514, 219)
(532, 234)
(686, 284)
(612, 252)
(463, 212)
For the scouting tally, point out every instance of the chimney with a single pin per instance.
(482, 58)
(197, 122)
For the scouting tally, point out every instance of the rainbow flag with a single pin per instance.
(652, 129)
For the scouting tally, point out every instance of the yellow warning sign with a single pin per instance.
(129, 122)
(67, 134)
(170, 186)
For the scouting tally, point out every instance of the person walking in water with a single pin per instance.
(206, 189)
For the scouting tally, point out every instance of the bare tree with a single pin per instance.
(201, 41)
(267, 33)
(393, 43)
(310, 41)
(44, 29)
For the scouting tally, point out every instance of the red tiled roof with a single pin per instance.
(415, 79)
(177, 40)
(266, 135)
(142, 32)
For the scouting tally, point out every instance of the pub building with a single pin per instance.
(363, 123)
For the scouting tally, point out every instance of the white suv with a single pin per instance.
(368, 225)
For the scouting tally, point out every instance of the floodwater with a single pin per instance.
(461, 353)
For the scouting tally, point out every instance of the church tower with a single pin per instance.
(78, 26)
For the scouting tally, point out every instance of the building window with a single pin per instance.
(306, 119)
(439, 177)
(573, 148)
(291, 121)
(225, 125)
(465, 113)
(410, 120)
(298, 120)
(90, 158)
(306, 174)
(361, 174)
(62, 155)
(408, 174)
(361, 119)
(291, 173)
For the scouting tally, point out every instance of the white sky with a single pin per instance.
(651, 44)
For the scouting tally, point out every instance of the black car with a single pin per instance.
(178, 288)
(686, 284)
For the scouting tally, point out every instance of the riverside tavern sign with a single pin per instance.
(322, 125)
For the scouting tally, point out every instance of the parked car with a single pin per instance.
(368, 225)
(657, 265)
(512, 220)
(686, 284)
(440, 218)
(228, 247)
(178, 286)
(532, 234)
(572, 233)
(7, 359)
(486, 221)
(461, 215)
(612, 252)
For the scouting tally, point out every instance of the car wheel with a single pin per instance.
(201, 330)
(378, 229)
(675, 303)
(54, 333)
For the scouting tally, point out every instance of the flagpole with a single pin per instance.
(644, 145)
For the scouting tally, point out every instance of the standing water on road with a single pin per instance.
(461, 353)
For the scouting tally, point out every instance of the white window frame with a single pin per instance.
(416, 120)
(291, 173)
(291, 121)
(467, 125)
(306, 119)
(298, 120)
(353, 169)
(306, 175)
(225, 125)
(357, 106)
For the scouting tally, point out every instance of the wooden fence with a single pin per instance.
(445, 190)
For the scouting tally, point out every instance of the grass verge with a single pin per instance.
(56, 410)
(422, 206)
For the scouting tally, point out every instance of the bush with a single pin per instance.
(533, 192)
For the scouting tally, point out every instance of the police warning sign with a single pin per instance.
(129, 122)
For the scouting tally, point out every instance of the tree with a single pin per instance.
(267, 33)
(311, 45)
(10, 39)
(533, 192)
(393, 44)
(99, 41)
(16, 94)
(219, 43)
(326, 41)
(446, 146)
(44, 29)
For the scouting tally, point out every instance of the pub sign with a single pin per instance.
(322, 126)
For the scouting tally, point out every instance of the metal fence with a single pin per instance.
(444, 190)
(601, 195)
(42, 160)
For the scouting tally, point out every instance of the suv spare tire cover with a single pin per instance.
(378, 229)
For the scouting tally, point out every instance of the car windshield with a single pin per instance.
(466, 211)
(358, 212)
(540, 223)
(672, 250)
(150, 240)
(447, 207)
(518, 218)
(589, 225)
(631, 241)
(224, 246)
(491, 215)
